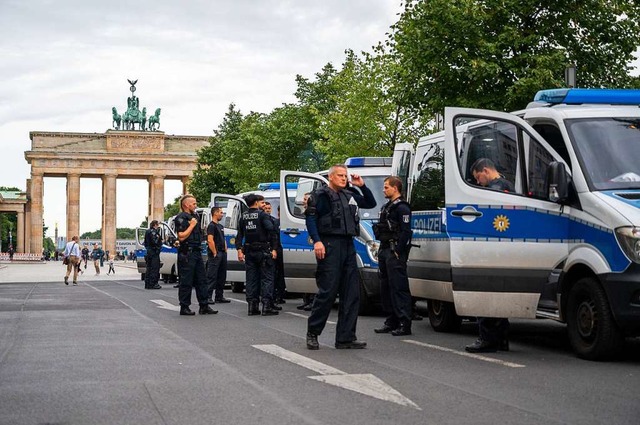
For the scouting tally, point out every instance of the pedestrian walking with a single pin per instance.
(110, 262)
(190, 264)
(71, 260)
(96, 255)
(332, 221)
(393, 230)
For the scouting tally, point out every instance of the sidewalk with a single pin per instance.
(54, 271)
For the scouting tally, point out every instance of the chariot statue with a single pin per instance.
(133, 115)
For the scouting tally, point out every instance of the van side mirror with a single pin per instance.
(557, 183)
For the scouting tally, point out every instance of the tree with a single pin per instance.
(497, 53)
(8, 222)
(171, 209)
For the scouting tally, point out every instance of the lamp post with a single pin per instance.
(570, 75)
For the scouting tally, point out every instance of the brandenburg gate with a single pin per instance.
(117, 154)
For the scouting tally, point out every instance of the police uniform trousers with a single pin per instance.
(279, 285)
(216, 274)
(152, 273)
(259, 268)
(394, 288)
(192, 275)
(337, 274)
(493, 329)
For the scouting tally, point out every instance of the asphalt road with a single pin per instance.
(110, 352)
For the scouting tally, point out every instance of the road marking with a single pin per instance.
(166, 305)
(465, 354)
(306, 317)
(363, 383)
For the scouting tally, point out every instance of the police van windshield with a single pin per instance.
(609, 149)
(375, 184)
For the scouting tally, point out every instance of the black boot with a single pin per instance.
(403, 329)
(186, 311)
(205, 309)
(253, 307)
(268, 310)
(312, 341)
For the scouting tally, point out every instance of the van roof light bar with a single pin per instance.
(368, 161)
(590, 96)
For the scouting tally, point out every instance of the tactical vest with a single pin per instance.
(388, 229)
(195, 238)
(343, 217)
(253, 230)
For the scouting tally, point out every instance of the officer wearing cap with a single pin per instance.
(256, 244)
(332, 220)
(394, 233)
(153, 245)
(190, 264)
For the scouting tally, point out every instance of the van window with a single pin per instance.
(539, 160)
(493, 140)
(427, 191)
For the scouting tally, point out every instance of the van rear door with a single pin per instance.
(507, 239)
(232, 207)
(299, 259)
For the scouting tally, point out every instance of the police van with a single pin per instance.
(299, 258)
(565, 245)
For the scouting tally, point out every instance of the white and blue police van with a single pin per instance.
(564, 245)
(299, 258)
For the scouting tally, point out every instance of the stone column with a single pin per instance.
(37, 192)
(20, 231)
(185, 182)
(156, 198)
(73, 205)
(109, 213)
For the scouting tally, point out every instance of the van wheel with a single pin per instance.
(237, 287)
(593, 334)
(443, 316)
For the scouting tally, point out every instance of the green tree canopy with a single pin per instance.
(497, 53)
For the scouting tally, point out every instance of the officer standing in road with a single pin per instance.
(276, 296)
(394, 233)
(216, 258)
(494, 331)
(256, 244)
(153, 245)
(190, 264)
(332, 220)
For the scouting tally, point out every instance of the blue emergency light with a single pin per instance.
(368, 161)
(276, 186)
(591, 96)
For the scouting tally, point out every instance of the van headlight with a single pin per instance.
(629, 240)
(372, 250)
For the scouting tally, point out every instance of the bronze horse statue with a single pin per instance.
(154, 120)
(117, 118)
(135, 117)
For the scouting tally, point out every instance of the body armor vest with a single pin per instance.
(343, 219)
(253, 230)
(388, 229)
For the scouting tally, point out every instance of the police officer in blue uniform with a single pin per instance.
(190, 264)
(216, 258)
(332, 220)
(394, 233)
(256, 244)
(494, 331)
(153, 245)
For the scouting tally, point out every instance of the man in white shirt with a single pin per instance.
(72, 253)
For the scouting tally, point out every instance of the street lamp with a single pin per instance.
(570, 75)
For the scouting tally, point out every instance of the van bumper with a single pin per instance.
(623, 291)
(371, 282)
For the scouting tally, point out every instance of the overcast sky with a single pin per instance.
(64, 64)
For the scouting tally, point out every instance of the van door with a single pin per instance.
(298, 257)
(505, 239)
(168, 253)
(140, 262)
(232, 207)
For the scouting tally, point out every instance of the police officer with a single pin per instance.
(153, 245)
(216, 258)
(190, 264)
(394, 233)
(332, 221)
(278, 266)
(256, 244)
(494, 331)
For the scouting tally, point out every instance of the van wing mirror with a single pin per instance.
(557, 183)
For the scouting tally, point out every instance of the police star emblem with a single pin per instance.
(501, 223)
